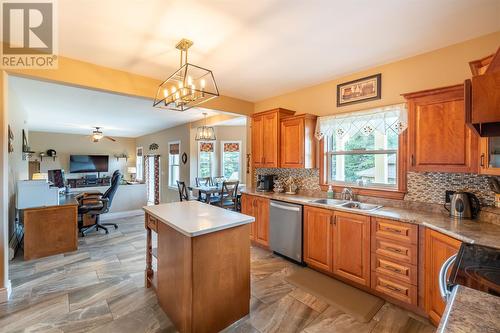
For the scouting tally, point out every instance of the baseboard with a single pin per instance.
(5, 292)
(117, 215)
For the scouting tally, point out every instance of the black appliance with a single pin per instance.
(88, 163)
(265, 183)
(474, 266)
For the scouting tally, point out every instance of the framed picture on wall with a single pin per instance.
(362, 90)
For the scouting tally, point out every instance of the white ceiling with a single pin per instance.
(262, 48)
(236, 121)
(58, 108)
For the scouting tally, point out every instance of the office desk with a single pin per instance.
(50, 230)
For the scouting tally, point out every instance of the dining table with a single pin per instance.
(209, 191)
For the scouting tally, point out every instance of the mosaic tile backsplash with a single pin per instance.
(426, 187)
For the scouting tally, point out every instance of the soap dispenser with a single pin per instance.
(329, 193)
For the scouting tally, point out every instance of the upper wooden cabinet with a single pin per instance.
(266, 137)
(489, 159)
(351, 247)
(297, 142)
(438, 248)
(438, 138)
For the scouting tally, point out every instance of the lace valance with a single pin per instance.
(382, 119)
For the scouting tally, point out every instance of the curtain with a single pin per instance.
(383, 119)
(152, 165)
(231, 147)
(207, 147)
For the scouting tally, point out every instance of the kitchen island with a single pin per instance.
(202, 271)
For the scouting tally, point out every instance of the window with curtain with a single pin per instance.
(205, 159)
(174, 149)
(139, 164)
(231, 160)
(362, 147)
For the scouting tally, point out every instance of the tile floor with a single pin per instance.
(100, 288)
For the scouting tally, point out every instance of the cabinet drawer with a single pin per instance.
(401, 271)
(402, 232)
(395, 250)
(152, 223)
(396, 289)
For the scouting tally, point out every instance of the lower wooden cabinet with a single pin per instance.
(351, 247)
(257, 207)
(438, 248)
(318, 224)
(338, 242)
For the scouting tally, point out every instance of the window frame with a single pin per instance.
(212, 159)
(389, 193)
(222, 158)
(173, 186)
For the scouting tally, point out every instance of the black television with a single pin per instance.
(88, 163)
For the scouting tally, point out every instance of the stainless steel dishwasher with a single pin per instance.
(285, 229)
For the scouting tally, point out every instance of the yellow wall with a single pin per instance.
(442, 67)
(84, 74)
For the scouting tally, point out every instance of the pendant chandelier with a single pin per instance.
(188, 86)
(205, 133)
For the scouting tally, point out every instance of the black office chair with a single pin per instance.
(95, 204)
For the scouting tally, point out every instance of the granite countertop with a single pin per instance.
(470, 310)
(478, 231)
(194, 218)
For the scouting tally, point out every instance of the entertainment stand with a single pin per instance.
(88, 182)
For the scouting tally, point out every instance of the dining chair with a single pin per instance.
(203, 181)
(228, 195)
(183, 191)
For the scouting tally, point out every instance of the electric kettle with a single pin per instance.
(464, 205)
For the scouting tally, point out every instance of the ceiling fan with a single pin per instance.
(97, 135)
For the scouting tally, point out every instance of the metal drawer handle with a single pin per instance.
(293, 209)
(443, 272)
(393, 249)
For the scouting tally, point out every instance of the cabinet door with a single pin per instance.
(351, 247)
(489, 161)
(439, 139)
(317, 237)
(270, 142)
(438, 248)
(261, 206)
(257, 137)
(247, 204)
(292, 143)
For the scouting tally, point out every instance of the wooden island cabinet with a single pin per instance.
(202, 275)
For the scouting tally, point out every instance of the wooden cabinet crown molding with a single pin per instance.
(283, 112)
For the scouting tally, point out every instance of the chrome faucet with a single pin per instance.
(347, 194)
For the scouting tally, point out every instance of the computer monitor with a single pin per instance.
(56, 177)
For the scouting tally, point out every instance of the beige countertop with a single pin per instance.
(470, 310)
(194, 218)
(470, 231)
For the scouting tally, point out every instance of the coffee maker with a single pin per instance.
(265, 183)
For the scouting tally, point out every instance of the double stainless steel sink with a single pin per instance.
(354, 205)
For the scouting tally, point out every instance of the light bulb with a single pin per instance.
(165, 93)
(190, 80)
(202, 83)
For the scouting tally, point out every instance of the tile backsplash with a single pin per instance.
(426, 187)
